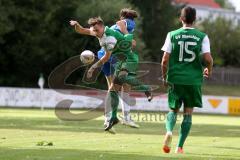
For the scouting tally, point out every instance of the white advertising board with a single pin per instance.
(28, 97)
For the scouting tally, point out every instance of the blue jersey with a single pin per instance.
(130, 24)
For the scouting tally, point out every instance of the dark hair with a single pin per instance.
(128, 13)
(95, 20)
(188, 15)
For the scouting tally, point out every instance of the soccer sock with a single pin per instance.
(133, 81)
(113, 100)
(126, 110)
(184, 130)
(125, 107)
(171, 121)
(108, 116)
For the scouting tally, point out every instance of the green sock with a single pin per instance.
(114, 101)
(171, 121)
(184, 130)
(142, 88)
(134, 82)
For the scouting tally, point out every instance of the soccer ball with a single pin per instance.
(87, 57)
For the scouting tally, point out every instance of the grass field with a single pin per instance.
(213, 137)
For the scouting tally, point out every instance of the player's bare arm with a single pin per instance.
(81, 30)
(164, 66)
(123, 29)
(99, 63)
(209, 64)
(122, 26)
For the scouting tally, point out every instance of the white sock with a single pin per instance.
(108, 116)
(108, 109)
(125, 109)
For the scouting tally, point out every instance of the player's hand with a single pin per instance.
(206, 73)
(90, 72)
(165, 83)
(73, 23)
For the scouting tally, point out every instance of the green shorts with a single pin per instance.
(189, 95)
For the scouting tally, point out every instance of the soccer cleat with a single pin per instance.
(130, 123)
(112, 130)
(179, 150)
(149, 96)
(112, 122)
(166, 149)
(167, 142)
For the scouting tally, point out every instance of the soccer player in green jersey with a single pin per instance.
(114, 43)
(125, 25)
(182, 70)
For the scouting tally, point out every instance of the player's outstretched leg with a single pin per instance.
(113, 101)
(137, 85)
(184, 130)
(170, 123)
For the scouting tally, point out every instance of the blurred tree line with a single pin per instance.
(225, 4)
(35, 36)
(224, 37)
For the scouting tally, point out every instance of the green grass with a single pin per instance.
(213, 137)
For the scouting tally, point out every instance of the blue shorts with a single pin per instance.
(108, 67)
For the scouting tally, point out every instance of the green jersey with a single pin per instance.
(116, 42)
(185, 46)
(121, 47)
(133, 57)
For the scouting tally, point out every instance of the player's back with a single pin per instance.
(185, 65)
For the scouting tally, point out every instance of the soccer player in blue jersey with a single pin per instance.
(117, 44)
(125, 25)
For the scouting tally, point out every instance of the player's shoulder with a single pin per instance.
(183, 31)
(112, 32)
(199, 33)
(175, 32)
(108, 31)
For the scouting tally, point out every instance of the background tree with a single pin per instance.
(224, 37)
(225, 4)
(158, 17)
(35, 35)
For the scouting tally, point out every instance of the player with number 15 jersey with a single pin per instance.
(182, 68)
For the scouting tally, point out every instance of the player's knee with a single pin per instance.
(188, 110)
(118, 81)
(126, 87)
(123, 73)
(115, 87)
(174, 110)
